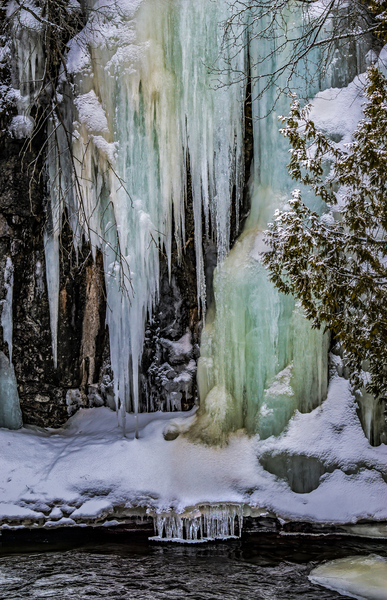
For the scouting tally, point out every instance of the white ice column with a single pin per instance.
(10, 413)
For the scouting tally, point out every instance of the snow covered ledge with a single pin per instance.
(87, 473)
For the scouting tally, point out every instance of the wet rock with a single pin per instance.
(171, 432)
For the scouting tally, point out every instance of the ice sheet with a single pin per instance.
(362, 577)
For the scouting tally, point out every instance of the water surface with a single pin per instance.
(87, 565)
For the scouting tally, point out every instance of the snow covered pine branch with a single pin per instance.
(337, 267)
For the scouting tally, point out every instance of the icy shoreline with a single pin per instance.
(87, 473)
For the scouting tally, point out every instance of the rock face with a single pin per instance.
(81, 332)
(43, 389)
(171, 348)
(172, 335)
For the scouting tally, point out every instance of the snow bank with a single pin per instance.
(337, 111)
(87, 472)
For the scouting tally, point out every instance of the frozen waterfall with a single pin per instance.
(152, 123)
(147, 106)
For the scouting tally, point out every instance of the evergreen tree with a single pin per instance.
(338, 268)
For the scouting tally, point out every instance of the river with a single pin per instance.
(89, 564)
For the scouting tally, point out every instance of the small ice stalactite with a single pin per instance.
(10, 413)
(39, 279)
(29, 63)
(174, 402)
(204, 524)
(6, 314)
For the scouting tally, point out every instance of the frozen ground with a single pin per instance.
(87, 471)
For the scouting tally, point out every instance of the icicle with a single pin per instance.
(6, 315)
(29, 60)
(203, 524)
(10, 413)
(146, 104)
(51, 248)
(51, 241)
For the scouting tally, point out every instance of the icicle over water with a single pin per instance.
(206, 523)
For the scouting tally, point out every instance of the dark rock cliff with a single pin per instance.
(46, 394)
(43, 389)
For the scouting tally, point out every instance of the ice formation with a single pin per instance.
(145, 121)
(205, 523)
(146, 106)
(147, 111)
(362, 577)
(6, 313)
(10, 414)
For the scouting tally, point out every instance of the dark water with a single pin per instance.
(263, 567)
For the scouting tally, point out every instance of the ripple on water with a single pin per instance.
(217, 572)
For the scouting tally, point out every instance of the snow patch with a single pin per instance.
(21, 127)
(92, 508)
(281, 383)
(337, 111)
(89, 471)
(91, 113)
